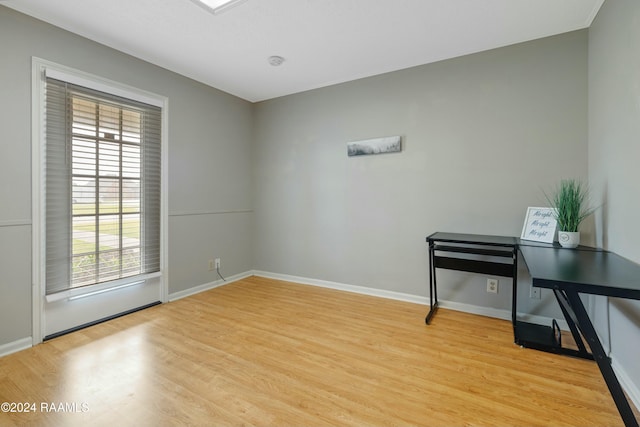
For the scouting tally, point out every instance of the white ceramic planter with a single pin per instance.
(569, 239)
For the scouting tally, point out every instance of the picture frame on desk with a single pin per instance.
(539, 225)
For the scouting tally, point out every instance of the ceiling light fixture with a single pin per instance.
(217, 6)
(276, 60)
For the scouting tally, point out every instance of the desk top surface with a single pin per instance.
(587, 271)
(480, 239)
(584, 269)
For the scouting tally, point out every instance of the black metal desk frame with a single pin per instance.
(474, 244)
(567, 272)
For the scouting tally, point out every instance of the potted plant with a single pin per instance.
(570, 208)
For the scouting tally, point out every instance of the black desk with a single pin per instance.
(451, 244)
(568, 272)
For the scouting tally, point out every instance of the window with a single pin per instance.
(102, 186)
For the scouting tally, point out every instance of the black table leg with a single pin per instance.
(604, 363)
(571, 319)
(433, 293)
(514, 295)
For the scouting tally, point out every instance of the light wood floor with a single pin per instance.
(270, 353)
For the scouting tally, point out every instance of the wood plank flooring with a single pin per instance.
(270, 353)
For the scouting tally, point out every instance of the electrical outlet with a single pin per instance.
(534, 292)
(210, 265)
(492, 286)
(217, 263)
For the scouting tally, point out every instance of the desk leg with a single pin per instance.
(514, 295)
(571, 319)
(433, 293)
(577, 310)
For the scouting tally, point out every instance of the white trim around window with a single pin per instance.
(40, 69)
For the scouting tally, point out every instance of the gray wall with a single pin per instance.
(614, 152)
(483, 136)
(209, 156)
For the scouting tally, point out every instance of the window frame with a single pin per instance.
(40, 70)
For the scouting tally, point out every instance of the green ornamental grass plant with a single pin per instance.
(570, 203)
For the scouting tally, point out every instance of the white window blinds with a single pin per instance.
(102, 185)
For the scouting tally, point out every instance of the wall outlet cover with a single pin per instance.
(492, 286)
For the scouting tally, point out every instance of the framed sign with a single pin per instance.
(539, 225)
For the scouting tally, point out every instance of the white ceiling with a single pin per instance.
(324, 42)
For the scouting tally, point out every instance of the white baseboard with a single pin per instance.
(15, 346)
(627, 384)
(211, 285)
(476, 309)
(344, 287)
(451, 305)
(502, 314)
